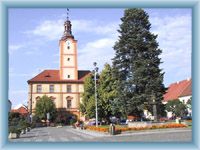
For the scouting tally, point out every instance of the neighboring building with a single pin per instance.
(63, 86)
(179, 91)
(20, 109)
(9, 105)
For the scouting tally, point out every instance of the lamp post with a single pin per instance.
(95, 88)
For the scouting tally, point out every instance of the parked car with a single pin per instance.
(114, 120)
(123, 122)
(186, 118)
(92, 123)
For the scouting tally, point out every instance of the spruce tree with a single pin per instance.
(136, 64)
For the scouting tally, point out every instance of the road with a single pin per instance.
(68, 134)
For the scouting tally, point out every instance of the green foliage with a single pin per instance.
(13, 129)
(161, 110)
(87, 105)
(23, 124)
(13, 115)
(106, 93)
(17, 122)
(189, 103)
(176, 107)
(72, 121)
(43, 106)
(136, 63)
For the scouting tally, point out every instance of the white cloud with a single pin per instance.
(99, 51)
(174, 37)
(53, 29)
(14, 48)
(48, 29)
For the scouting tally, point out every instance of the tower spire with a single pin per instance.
(67, 28)
(67, 14)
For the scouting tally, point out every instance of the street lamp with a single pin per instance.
(95, 88)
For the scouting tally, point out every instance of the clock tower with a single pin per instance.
(68, 54)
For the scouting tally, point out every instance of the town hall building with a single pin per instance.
(63, 86)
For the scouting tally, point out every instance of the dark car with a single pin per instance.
(123, 122)
(186, 118)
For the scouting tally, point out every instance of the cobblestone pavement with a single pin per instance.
(68, 134)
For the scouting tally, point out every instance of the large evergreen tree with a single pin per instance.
(136, 63)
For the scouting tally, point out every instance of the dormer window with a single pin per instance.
(47, 75)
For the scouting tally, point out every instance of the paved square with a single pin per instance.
(68, 134)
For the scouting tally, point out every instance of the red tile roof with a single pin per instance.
(21, 110)
(178, 89)
(53, 76)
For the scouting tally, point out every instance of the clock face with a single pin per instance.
(68, 43)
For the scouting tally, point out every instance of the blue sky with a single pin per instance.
(34, 35)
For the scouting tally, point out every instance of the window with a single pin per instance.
(68, 76)
(51, 88)
(69, 103)
(68, 59)
(39, 88)
(68, 47)
(69, 88)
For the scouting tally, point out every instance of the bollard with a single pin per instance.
(112, 129)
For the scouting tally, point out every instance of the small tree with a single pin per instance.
(87, 105)
(107, 92)
(176, 107)
(43, 106)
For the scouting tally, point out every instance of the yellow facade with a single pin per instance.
(59, 95)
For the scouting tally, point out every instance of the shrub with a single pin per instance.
(14, 130)
(72, 121)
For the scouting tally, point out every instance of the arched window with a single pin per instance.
(69, 101)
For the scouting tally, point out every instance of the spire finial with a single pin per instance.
(67, 14)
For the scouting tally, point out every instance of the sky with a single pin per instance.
(34, 36)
